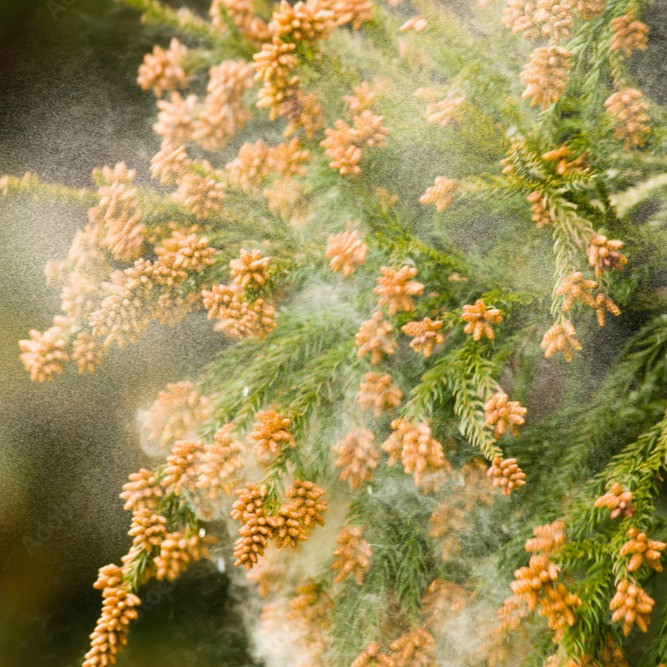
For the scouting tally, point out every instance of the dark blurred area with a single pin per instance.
(68, 103)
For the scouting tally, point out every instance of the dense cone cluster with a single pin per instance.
(414, 648)
(182, 467)
(603, 254)
(372, 656)
(503, 415)
(245, 21)
(632, 605)
(119, 608)
(419, 453)
(546, 75)
(178, 410)
(163, 70)
(344, 143)
(379, 392)
(142, 491)
(541, 211)
(479, 318)
(347, 252)
(629, 34)
(375, 337)
(396, 287)
(440, 194)
(506, 474)
(44, 354)
(220, 461)
(426, 335)
(178, 551)
(147, 530)
(531, 579)
(618, 500)
(352, 556)
(642, 551)
(256, 529)
(271, 433)
(357, 456)
(589, 9)
(558, 607)
(548, 538)
(251, 269)
(561, 337)
(628, 112)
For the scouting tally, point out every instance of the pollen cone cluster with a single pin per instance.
(531, 579)
(119, 607)
(618, 500)
(163, 70)
(506, 474)
(416, 648)
(272, 435)
(396, 287)
(440, 194)
(372, 656)
(375, 337)
(629, 34)
(632, 605)
(504, 415)
(642, 551)
(256, 530)
(546, 75)
(141, 491)
(426, 335)
(352, 556)
(561, 337)
(479, 319)
(220, 461)
(548, 538)
(250, 270)
(379, 392)
(628, 112)
(357, 456)
(178, 551)
(347, 252)
(182, 467)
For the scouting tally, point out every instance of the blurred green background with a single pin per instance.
(68, 103)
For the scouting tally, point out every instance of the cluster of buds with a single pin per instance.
(396, 287)
(643, 550)
(414, 648)
(531, 579)
(256, 529)
(561, 337)
(163, 70)
(141, 491)
(558, 607)
(373, 656)
(343, 143)
(201, 192)
(589, 9)
(479, 319)
(176, 413)
(147, 529)
(117, 215)
(352, 556)
(445, 111)
(420, 454)
(426, 335)
(546, 75)
(375, 337)
(618, 500)
(44, 354)
(628, 112)
(440, 194)
(380, 393)
(632, 605)
(310, 609)
(541, 211)
(182, 467)
(629, 34)
(178, 551)
(220, 461)
(503, 415)
(238, 315)
(555, 19)
(506, 474)
(272, 435)
(519, 17)
(250, 270)
(347, 252)
(603, 254)
(577, 288)
(357, 457)
(119, 607)
(548, 538)
(564, 162)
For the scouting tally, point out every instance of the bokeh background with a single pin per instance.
(68, 103)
